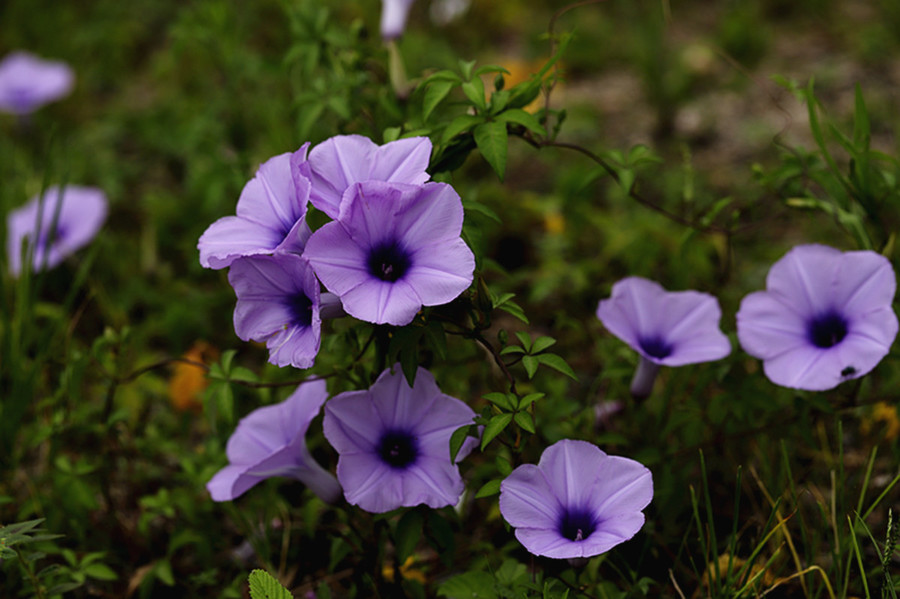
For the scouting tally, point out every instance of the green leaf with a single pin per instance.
(525, 340)
(861, 127)
(462, 123)
(391, 134)
(501, 400)
(516, 310)
(494, 427)
(473, 206)
(474, 91)
(444, 75)
(100, 572)
(531, 365)
(471, 585)
(408, 534)
(558, 364)
(491, 138)
(465, 67)
(541, 343)
(163, 571)
(490, 68)
(435, 93)
(520, 117)
(525, 420)
(264, 586)
(457, 439)
(491, 487)
(512, 349)
(529, 399)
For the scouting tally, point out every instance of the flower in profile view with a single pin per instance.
(577, 502)
(393, 249)
(394, 443)
(270, 216)
(28, 82)
(824, 318)
(278, 303)
(667, 328)
(54, 225)
(393, 17)
(271, 441)
(334, 165)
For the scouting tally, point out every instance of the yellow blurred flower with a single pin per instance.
(884, 416)
(189, 380)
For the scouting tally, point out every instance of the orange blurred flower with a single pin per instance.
(189, 380)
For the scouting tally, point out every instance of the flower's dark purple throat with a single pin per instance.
(656, 347)
(577, 524)
(398, 449)
(388, 261)
(301, 308)
(827, 330)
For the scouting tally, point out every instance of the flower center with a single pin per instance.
(398, 449)
(577, 524)
(827, 330)
(301, 308)
(388, 261)
(656, 347)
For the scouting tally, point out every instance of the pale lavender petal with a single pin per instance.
(259, 319)
(28, 82)
(766, 327)
(864, 281)
(802, 278)
(337, 260)
(549, 543)
(232, 237)
(393, 17)
(333, 166)
(570, 466)
(622, 486)
(433, 481)
(370, 211)
(382, 302)
(272, 198)
(436, 215)
(295, 346)
(611, 532)
(632, 310)
(369, 483)
(76, 212)
(350, 422)
(527, 500)
(402, 161)
(440, 273)
(221, 485)
(400, 405)
(445, 416)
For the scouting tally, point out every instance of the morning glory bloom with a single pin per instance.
(394, 443)
(577, 502)
(667, 328)
(824, 318)
(393, 17)
(69, 218)
(271, 441)
(393, 249)
(278, 303)
(270, 216)
(337, 163)
(28, 82)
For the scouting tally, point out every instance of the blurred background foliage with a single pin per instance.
(175, 106)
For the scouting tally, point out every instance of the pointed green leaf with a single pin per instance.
(264, 586)
(557, 363)
(531, 365)
(474, 91)
(457, 439)
(492, 487)
(520, 117)
(525, 340)
(435, 93)
(491, 138)
(463, 122)
(494, 427)
(525, 420)
(541, 343)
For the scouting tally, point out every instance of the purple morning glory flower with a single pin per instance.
(667, 328)
(577, 502)
(28, 82)
(69, 219)
(278, 303)
(824, 318)
(393, 249)
(393, 17)
(394, 443)
(271, 441)
(337, 163)
(270, 216)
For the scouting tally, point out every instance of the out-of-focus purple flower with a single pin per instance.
(28, 82)
(393, 17)
(270, 216)
(278, 303)
(69, 218)
(271, 441)
(577, 502)
(337, 163)
(824, 318)
(393, 249)
(667, 328)
(394, 443)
